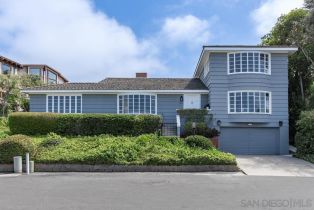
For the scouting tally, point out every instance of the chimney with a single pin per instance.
(141, 75)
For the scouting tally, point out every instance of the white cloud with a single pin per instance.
(266, 15)
(84, 44)
(87, 45)
(187, 29)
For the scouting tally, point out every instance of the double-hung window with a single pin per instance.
(137, 104)
(251, 102)
(249, 62)
(64, 103)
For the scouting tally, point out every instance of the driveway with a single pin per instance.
(275, 165)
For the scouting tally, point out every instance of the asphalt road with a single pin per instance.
(154, 191)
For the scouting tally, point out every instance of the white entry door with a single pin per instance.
(192, 101)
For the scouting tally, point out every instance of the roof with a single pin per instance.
(254, 46)
(2, 58)
(127, 84)
(232, 48)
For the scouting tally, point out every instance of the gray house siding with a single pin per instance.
(99, 103)
(167, 104)
(37, 103)
(219, 83)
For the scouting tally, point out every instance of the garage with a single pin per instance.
(249, 141)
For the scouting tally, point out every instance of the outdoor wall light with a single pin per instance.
(219, 122)
(280, 123)
(181, 98)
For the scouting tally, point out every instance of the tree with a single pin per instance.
(12, 98)
(292, 29)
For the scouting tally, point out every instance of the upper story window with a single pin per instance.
(249, 62)
(5, 69)
(64, 103)
(52, 78)
(250, 102)
(137, 104)
(34, 71)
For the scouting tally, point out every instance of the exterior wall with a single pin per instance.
(219, 83)
(167, 104)
(37, 103)
(99, 103)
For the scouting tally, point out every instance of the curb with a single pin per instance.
(39, 167)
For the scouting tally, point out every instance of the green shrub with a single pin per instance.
(199, 141)
(200, 129)
(304, 138)
(145, 149)
(83, 124)
(52, 140)
(32, 123)
(16, 145)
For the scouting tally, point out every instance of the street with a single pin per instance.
(154, 191)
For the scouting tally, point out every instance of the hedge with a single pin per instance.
(83, 124)
(304, 138)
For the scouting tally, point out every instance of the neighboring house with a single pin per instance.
(246, 88)
(47, 74)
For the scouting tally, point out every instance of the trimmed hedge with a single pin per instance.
(83, 124)
(304, 137)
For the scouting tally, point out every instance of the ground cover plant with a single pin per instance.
(148, 149)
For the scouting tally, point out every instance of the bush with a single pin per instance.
(52, 140)
(199, 141)
(145, 149)
(304, 138)
(201, 129)
(16, 145)
(83, 124)
(32, 123)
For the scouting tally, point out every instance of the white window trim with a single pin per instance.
(269, 63)
(259, 113)
(144, 93)
(64, 94)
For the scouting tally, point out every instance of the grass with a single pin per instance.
(142, 150)
(4, 130)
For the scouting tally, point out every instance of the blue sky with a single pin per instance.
(88, 40)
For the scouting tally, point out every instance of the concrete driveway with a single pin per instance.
(275, 165)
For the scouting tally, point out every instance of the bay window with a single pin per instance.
(248, 62)
(64, 104)
(137, 104)
(254, 102)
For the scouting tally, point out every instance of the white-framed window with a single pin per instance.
(249, 62)
(137, 104)
(64, 103)
(249, 102)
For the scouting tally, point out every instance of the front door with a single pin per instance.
(192, 101)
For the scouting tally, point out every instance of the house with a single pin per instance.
(246, 88)
(46, 73)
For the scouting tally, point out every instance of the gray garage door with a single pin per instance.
(250, 141)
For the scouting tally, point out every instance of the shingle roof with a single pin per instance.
(130, 84)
